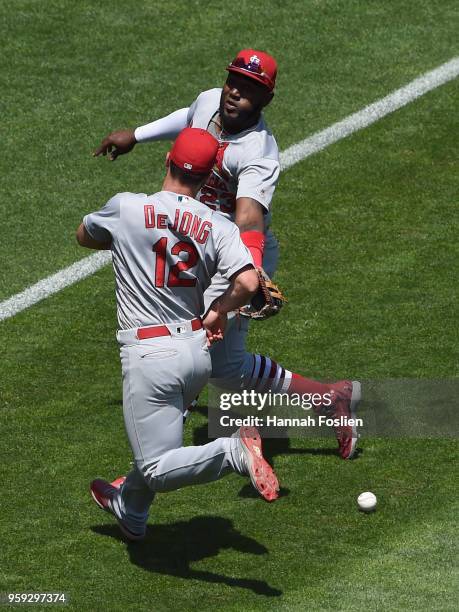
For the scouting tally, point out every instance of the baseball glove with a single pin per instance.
(266, 302)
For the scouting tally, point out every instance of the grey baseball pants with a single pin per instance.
(161, 376)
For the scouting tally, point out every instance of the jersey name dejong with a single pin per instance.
(185, 223)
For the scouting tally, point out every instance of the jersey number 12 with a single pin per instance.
(174, 279)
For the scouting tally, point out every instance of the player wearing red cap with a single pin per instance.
(166, 248)
(241, 187)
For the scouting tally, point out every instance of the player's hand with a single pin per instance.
(116, 143)
(214, 323)
(266, 302)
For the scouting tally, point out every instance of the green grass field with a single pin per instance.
(368, 233)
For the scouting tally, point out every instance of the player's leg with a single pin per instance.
(234, 368)
(149, 379)
(155, 374)
(180, 466)
(191, 465)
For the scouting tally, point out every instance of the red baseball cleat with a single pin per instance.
(346, 396)
(261, 473)
(102, 493)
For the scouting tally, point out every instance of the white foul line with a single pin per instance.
(54, 283)
(368, 115)
(307, 147)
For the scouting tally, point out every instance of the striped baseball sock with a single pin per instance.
(267, 375)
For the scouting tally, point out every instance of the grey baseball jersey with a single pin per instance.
(247, 163)
(166, 249)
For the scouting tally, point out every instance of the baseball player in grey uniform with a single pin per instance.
(240, 188)
(166, 248)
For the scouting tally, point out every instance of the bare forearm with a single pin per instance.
(239, 293)
(250, 220)
(249, 215)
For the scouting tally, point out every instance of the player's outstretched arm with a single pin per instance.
(123, 141)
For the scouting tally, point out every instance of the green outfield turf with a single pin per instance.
(368, 234)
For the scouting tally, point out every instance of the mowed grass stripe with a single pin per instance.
(294, 154)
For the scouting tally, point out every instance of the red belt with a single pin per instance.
(155, 331)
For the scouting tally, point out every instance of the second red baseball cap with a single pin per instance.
(256, 65)
(194, 151)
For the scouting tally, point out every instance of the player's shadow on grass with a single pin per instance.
(170, 549)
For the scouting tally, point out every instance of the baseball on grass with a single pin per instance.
(367, 501)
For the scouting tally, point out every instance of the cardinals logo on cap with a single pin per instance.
(254, 64)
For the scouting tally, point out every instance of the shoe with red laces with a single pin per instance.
(346, 396)
(255, 465)
(102, 493)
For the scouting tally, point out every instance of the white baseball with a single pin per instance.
(367, 501)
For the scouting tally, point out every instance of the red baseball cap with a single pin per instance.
(256, 65)
(194, 151)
